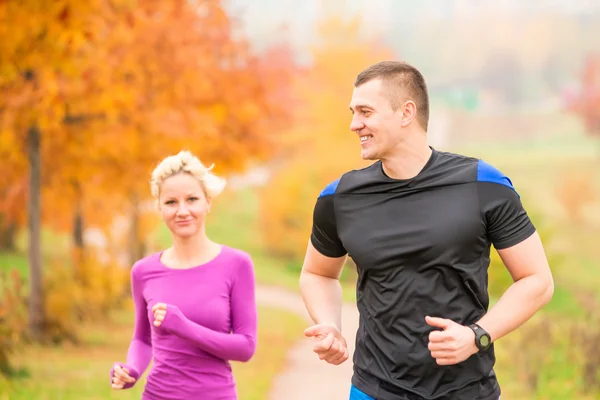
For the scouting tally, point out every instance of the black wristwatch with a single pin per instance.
(483, 339)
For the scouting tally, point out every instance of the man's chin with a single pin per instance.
(367, 156)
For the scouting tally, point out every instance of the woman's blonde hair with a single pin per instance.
(186, 162)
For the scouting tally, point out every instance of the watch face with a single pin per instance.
(484, 341)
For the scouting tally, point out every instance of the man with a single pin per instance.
(419, 224)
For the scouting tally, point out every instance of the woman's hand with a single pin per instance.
(160, 312)
(121, 378)
(168, 316)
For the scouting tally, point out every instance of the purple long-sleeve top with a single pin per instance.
(211, 319)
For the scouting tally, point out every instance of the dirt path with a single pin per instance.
(305, 376)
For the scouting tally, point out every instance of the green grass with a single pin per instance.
(54, 244)
(542, 361)
(535, 150)
(81, 372)
(10, 261)
(564, 302)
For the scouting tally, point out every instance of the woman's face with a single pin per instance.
(183, 205)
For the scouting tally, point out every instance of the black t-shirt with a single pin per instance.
(421, 247)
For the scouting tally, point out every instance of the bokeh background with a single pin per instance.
(94, 94)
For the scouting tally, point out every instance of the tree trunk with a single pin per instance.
(36, 305)
(78, 220)
(81, 272)
(136, 244)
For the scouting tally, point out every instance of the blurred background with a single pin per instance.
(94, 94)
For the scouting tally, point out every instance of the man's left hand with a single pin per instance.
(453, 344)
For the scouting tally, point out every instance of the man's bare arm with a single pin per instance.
(320, 287)
(533, 287)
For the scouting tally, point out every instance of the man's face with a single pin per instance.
(377, 125)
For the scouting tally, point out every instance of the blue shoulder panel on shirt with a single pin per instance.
(330, 189)
(488, 173)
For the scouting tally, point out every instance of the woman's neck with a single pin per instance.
(191, 251)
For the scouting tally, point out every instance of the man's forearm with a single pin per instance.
(517, 305)
(323, 298)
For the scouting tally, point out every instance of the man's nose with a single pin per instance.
(356, 124)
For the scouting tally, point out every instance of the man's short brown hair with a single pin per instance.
(400, 79)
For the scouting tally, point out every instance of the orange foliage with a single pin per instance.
(179, 80)
(45, 51)
(320, 147)
(13, 316)
(86, 287)
(115, 86)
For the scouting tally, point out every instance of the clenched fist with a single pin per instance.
(122, 377)
(331, 345)
(453, 344)
(160, 312)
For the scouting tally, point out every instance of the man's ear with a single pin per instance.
(409, 112)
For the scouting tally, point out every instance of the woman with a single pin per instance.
(195, 306)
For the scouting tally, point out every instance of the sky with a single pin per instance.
(262, 19)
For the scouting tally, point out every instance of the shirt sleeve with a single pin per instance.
(139, 353)
(240, 344)
(324, 236)
(505, 219)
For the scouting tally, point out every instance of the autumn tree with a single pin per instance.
(178, 79)
(46, 47)
(94, 94)
(320, 146)
(12, 191)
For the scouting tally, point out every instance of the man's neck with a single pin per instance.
(407, 161)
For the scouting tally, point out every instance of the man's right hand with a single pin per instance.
(330, 344)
